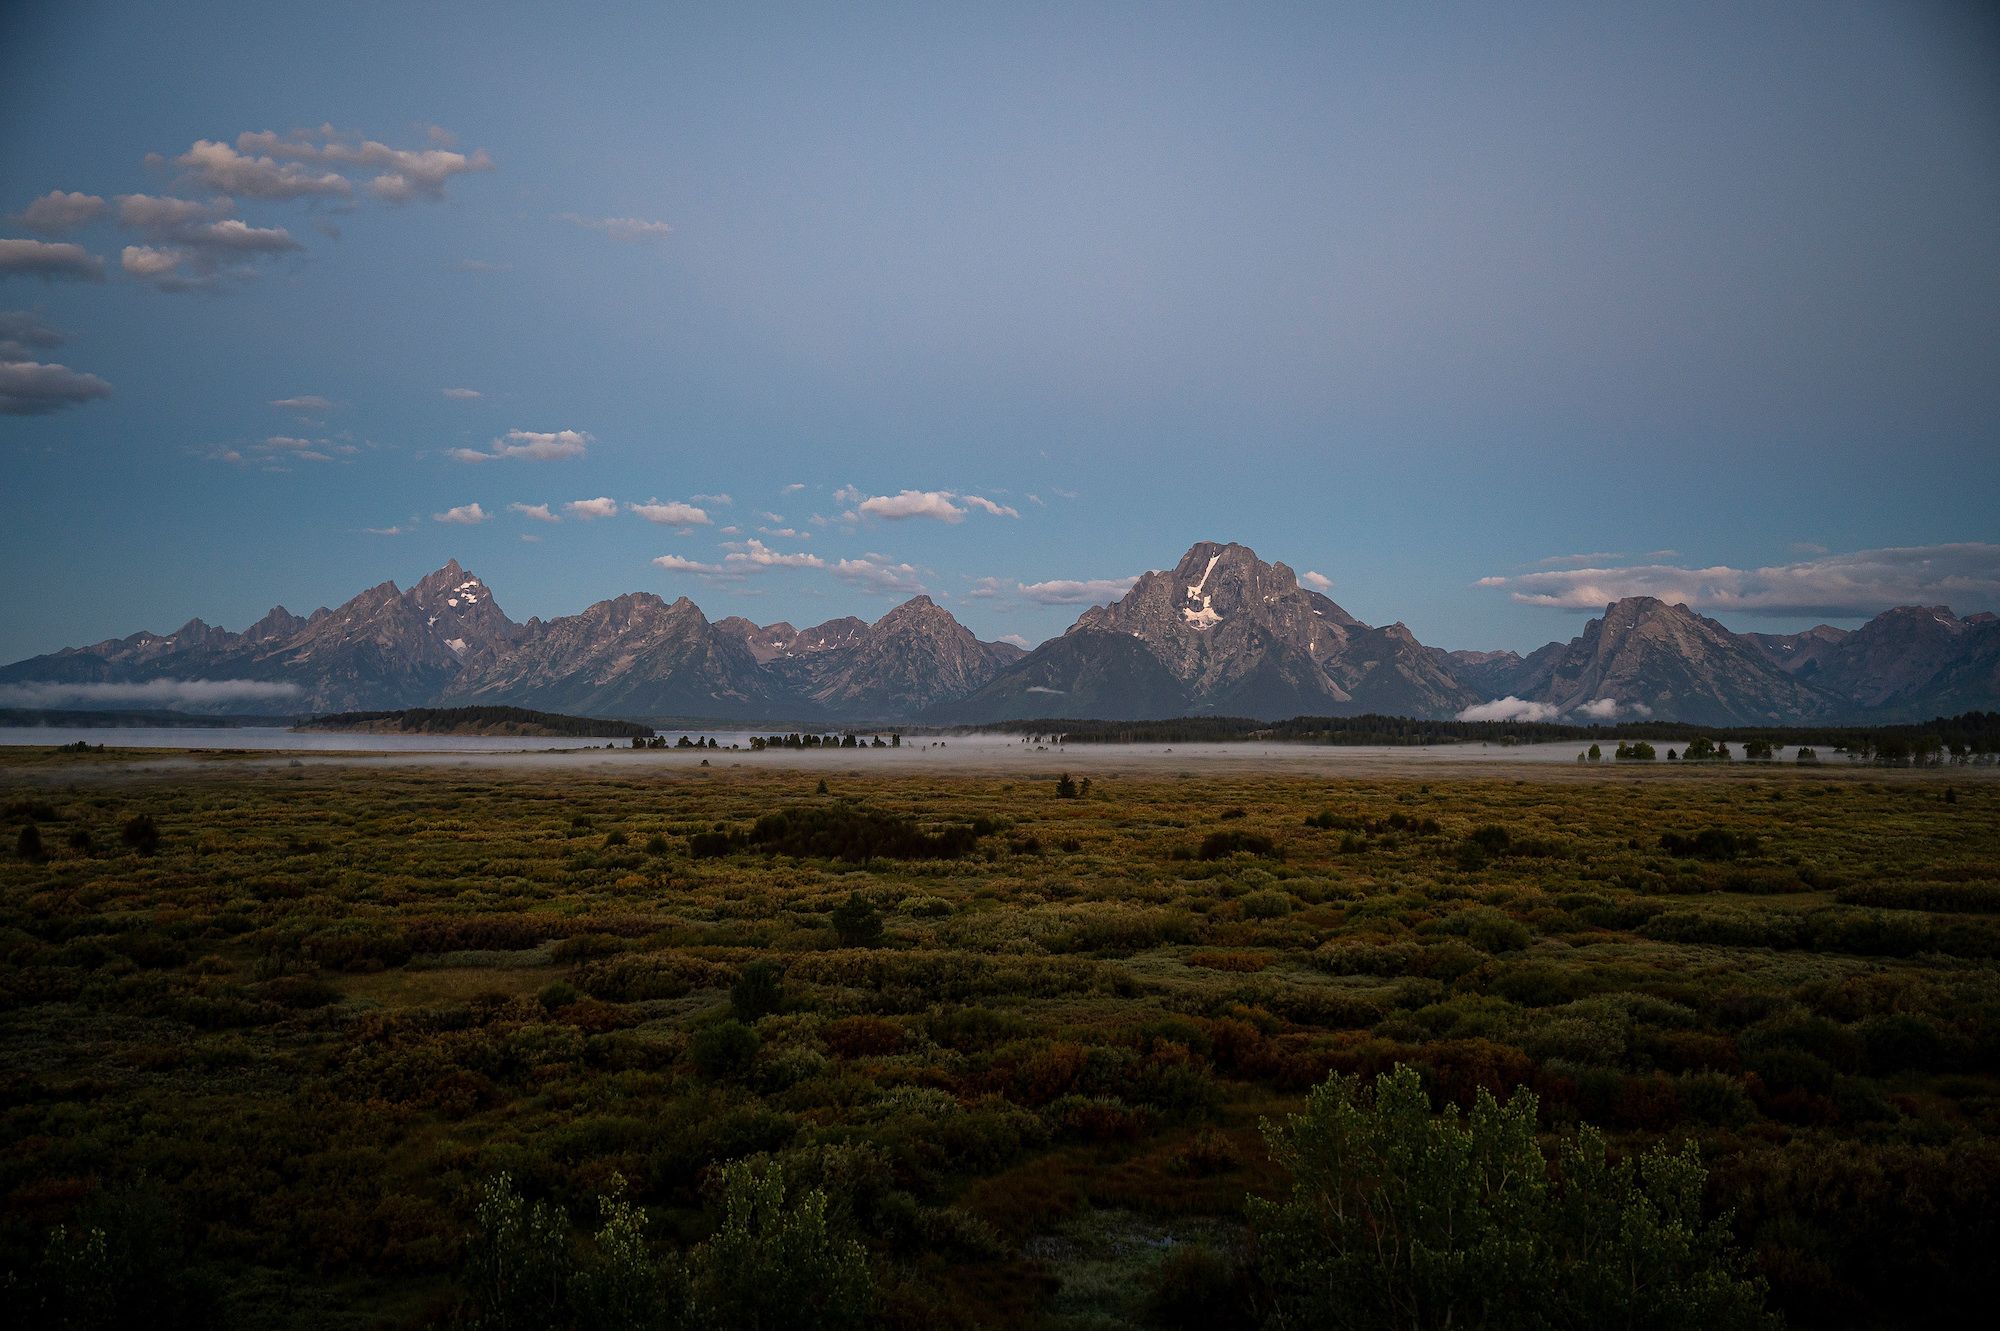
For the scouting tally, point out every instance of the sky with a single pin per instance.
(1479, 315)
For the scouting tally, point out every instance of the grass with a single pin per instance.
(335, 998)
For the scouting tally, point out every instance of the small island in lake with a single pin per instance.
(476, 721)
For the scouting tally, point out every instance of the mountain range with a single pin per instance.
(1221, 633)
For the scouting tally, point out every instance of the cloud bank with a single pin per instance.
(1965, 575)
(1086, 591)
(49, 260)
(936, 505)
(58, 211)
(30, 388)
(672, 514)
(1510, 708)
(160, 692)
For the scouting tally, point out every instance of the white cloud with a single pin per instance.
(463, 394)
(676, 564)
(875, 573)
(1087, 591)
(539, 512)
(465, 515)
(1509, 708)
(1319, 582)
(235, 235)
(161, 267)
(536, 446)
(589, 510)
(756, 555)
(31, 388)
(192, 256)
(46, 260)
(1017, 640)
(1965, 575)
(933, 504)
(632, 230)
(219, 166)
(398, 530)
(312, 402)
(166, 692)
(189, 242)
(936, 505)
(154, 212)
(723, 500)
(794, 487)
(58, 211)
(401, 174)
(986, 589)
(670, 514)
(1598, 709)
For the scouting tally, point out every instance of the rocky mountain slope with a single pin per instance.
(1222, 632)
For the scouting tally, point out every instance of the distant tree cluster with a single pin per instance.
(849, 740)
(1970, 737)
(505, 720)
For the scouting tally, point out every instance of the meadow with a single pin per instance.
(345, 1045)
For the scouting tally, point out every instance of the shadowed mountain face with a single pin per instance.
(1222, 632)
(1908, 659)
(1646, 658)
(634, 655)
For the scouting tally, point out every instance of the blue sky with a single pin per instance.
(1481, 313)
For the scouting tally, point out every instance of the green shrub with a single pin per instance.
(857, 922)
(724, 1050)
(140, 834)
(842, 832)
(1221, 845)
(1401, 1217)
(779, 1259)
(760, 989)
(1711, 843)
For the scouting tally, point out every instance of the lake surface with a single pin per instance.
(267, 738)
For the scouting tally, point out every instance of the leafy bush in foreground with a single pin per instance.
(777, 1260)
(1398, 1217)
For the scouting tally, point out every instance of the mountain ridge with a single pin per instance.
(1221, 632)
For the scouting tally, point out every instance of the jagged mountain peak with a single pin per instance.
(917, 610)
(446, 583)
(1234, 634)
